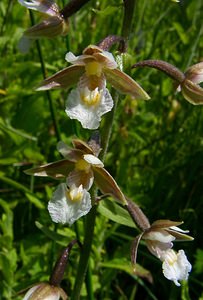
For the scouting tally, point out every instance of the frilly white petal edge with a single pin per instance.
(88, 115)
(176, 266)
(63, 210)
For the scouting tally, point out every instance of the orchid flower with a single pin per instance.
(159, 240)
(45, 291)
(55, 24)
(80, 168)
(90, 71)
(188, 82)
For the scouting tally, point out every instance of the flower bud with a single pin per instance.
(45, 291)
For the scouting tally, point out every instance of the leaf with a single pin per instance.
(115, 212)
(34, 200)
(109, 10)
(181, 32)
(60, 239)
(124, 265)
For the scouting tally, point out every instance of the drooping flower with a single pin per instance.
(80, 168)
(55, 24)
(68, 205)
(159, 240)
(45, 291)
(188, 82)
(90, 71)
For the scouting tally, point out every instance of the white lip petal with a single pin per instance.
(176, 266)
(63, 210)
(88, 115)
(93, 160)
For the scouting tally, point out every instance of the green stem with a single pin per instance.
(91, 218)
(84, 258)
(48, 94)
(89, 285)
(72, 7)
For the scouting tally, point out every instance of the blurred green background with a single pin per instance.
(155, 152)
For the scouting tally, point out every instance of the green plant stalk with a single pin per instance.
(88, 282)
(90, 220)
(48, 94)
(84, 258)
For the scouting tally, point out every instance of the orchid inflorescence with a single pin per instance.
(81, 167)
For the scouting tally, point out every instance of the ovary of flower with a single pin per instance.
(91, 98)
(175, 266)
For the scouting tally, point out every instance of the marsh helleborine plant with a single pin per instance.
(90, 71)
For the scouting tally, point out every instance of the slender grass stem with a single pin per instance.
(89, 285)
(48, 94)
(129, 7)
(5, 18)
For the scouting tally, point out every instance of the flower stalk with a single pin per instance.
(72, 7)
(60, 266)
